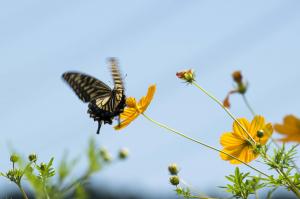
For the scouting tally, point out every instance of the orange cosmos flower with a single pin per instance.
(238, 144)
(134, 109)
(290, 128)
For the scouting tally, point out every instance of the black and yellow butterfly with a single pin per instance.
(104, 103)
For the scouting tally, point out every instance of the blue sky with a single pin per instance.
(39, 40)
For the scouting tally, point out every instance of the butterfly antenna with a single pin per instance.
(99, 126)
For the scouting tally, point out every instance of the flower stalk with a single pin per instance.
(199, 142)
(253, 142)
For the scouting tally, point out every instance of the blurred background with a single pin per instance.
(40, 40)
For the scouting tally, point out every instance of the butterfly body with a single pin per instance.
(104, 103)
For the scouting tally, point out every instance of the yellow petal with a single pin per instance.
(268, 131)
(238, 130)
(126, 121)
(232, 151)
(131, 102)
(128, 112)
(246, 155)
(257, 124)
(230, 139)
(145, 101)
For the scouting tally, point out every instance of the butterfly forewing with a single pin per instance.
(86, 87)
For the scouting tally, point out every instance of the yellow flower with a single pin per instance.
(290, 128)
(134, 109)
(238, 144)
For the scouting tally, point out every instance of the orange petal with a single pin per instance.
(131, 102)
(145, 101)
(128, 112)
(287, 129)
(126, 122)
(290, 139)
(291, 120)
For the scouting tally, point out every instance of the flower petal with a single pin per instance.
(232, 151)
(145, 101)
(268, 131)
(238, 130)
(128, 112)
(131, 102)
(257, 124)
(126, 121)
(231, 140)
(291, 139)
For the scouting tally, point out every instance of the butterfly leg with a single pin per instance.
(99, 126)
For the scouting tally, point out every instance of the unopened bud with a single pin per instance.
(105, 155)
(237, 77)
(123, 153)
(14, 158)
(260, 133)
(174, 180)
(32, 157)
(173, 169)
(43, 166)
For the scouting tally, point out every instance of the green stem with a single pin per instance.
(201, 143)
(292, 186)
(248, 105)
(45, 190)
(22, 191)
(225, 109)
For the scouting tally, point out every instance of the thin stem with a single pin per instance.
(256, 195)
(272, 139)
(22, 191)
(225, 109)
(201, 143)
(78, 181)
(292, 185)
(248, 105)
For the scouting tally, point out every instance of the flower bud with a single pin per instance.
(123, 153)
(187, 75)
(14, 158)
(174, 180)
(105, 155)
(226, 102)
(260, 133)
(173, 169)
(237, 77)
(32, 157)
(43, 166)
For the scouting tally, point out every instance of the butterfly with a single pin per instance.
(104, 103)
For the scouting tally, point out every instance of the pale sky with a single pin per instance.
(153, 40)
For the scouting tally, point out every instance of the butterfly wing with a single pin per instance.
(86, 87)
